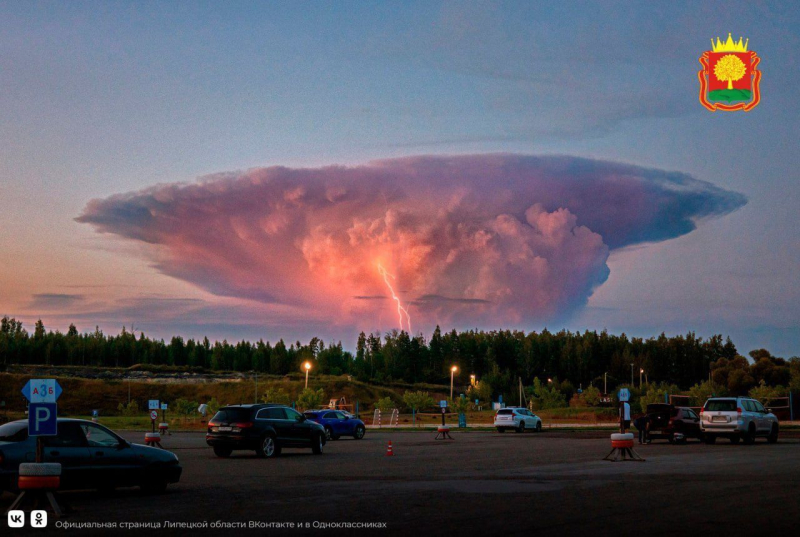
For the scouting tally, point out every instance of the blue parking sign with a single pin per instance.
(42, 419)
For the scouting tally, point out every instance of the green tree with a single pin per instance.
(310, 398)
(213, 406)
(417, 400)
(385, 404)
(129, 410)
(765, 393)
(276, 395)
(699, 393)
(185, 408)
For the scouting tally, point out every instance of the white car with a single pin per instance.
(518, 419)
(737, 418)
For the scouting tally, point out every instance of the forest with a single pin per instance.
(499, 358)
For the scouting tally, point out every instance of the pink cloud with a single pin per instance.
(477, 240)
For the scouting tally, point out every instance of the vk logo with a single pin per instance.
(16, 519)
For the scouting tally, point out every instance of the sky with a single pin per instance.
(297, 169)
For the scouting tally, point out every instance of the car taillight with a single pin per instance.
(237, 427)
(213, 424)
(739, 410)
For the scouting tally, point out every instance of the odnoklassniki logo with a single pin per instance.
(729, 79)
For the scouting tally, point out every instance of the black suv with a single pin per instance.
(264, 428)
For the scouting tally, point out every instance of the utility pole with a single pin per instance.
(631, 374)
(605, 383)
(256, 399)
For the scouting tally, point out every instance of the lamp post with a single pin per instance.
(472, 380)
(641, 371)
(605, 383)
(452, 375)
(307, 367)
(631, 374)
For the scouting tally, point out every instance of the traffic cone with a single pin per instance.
(389, 452)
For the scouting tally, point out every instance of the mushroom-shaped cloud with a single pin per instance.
(472, 240)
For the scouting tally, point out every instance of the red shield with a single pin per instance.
(729, 81)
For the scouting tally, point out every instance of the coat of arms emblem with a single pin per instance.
(729, 79)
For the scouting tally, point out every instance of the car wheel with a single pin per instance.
(734, 439)
(750, 437)
(539, 427)
(500, 430)
(221, 451)
(154, 486)
(359, 434)
(318, 442)
(521, 428)
(328, 433)
(268, 448)
(709, 439)
(773, 435)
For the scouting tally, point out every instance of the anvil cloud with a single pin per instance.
(474, 240)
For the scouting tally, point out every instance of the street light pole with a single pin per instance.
(307, 367)
(605, 383)
(631, 374)
(640, 377)
(452, 375)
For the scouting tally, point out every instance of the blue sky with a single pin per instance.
(110, 97)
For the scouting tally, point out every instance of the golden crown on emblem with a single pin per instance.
(729, 45)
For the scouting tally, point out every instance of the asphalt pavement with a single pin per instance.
(480, 483)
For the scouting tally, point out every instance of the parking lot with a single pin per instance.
(553, 483)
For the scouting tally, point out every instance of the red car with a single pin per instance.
(675, 423)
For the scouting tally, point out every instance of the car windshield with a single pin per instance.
(721, 405)
(230, 415)
(14, 432)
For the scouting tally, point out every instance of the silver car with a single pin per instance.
(517, 418)
(737, 418)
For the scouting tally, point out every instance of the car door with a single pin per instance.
(691, 422)
(275, 417)
(300, 427)
(346, 425)
(69, 449)
(113, 462)
(764, 424)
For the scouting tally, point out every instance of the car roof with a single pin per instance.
(252, 405)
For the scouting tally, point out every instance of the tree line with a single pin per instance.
(498, 358)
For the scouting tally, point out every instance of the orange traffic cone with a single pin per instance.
(389, 452)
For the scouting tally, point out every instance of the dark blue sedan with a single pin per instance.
(337, 423)
(91, 457)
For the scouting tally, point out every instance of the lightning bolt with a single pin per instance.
(400, 309)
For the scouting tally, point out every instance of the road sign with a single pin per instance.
(42, 390)
(42, 419)
(95, 413)
(163, 406)
(624, 395)
(154, 415)
(443, 403)
(152, 404)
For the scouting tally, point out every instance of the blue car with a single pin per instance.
(91, 457)
(337, 423)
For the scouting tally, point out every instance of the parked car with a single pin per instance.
(518, 419)
(675, 423)
(337, 423)
(91, 457)
(264, 428)
(737, 418)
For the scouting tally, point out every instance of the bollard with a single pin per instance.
(152, 439)
(38, 479)
(622, 449)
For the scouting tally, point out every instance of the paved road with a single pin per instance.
(553, 483)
